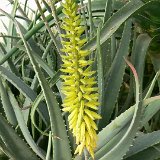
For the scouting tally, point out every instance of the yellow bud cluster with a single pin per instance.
(81, 95)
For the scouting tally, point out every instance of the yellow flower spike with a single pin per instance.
(69, 109)
(88, 113)
(77, 150)
(81, 94)
(87, 122)
(84, 52)
(88, 139)
(81, 147)
(86, 96)
(92, 135)
(79, 120)
(78, 136)
(73, 122)
(91, 152)
(82, 128)
(95, 115)
(90, 105)
(94, 125)
(80, 115)
(74, 112)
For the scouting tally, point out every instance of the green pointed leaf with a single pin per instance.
(114, 79)
(10, 115)
(115, 22)
(141, 47)
(16, 147)
(119, 150)
(108, 10)
(100, 70)
(24, 89)
(61, 148)
(23, 126)
(143, 142)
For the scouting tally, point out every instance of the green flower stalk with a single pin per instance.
(81, 95)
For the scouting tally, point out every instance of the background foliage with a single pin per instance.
(32, 125)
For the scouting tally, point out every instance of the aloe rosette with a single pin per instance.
(81, 94)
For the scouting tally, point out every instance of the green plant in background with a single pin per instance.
(81, 96)
(32, 122)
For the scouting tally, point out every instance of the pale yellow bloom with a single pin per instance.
(81, 95)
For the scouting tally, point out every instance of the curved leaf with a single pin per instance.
(143, 142)
(7, 105)
(61, 148)
(119, 150)
(114, 79)
(23, 126)
(16, 147)
(115, 21)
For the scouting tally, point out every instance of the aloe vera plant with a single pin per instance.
(75, 81)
